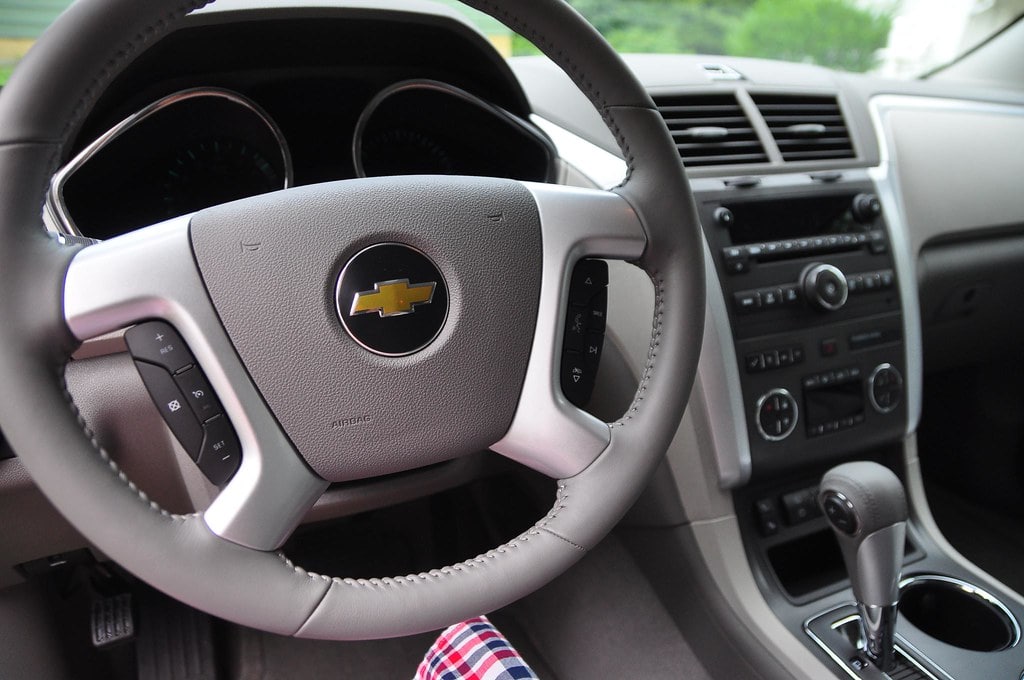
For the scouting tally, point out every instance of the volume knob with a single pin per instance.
(825, 286)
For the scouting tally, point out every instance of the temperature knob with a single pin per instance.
(775, 415)
(825, 286)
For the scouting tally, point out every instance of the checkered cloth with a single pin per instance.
(473, 650)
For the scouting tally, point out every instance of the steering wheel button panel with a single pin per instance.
(584, 329)
(173, 407)
(158, 343)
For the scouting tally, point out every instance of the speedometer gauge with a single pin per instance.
(405, 151)
(188, 151)
(213, 171)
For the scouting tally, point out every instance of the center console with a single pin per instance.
(813, 299)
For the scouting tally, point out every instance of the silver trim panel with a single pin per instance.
(151, 274)
(548, 433)
(55, 210)
(718, 376)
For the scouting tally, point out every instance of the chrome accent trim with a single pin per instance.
(55, 211)
(974, 590)
(502, 114)
(901, 646)
(151, 274)
(871, 386)
(757, 410)
(718, 376)
(548, 433)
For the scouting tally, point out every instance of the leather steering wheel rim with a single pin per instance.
(40, 109)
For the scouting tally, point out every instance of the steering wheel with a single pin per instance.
(252, 287)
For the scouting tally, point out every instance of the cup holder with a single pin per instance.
(957, 613)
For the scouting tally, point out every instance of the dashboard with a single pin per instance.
(833, 251)
(192, 135)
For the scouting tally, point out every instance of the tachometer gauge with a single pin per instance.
(213, 171)
(429, 127)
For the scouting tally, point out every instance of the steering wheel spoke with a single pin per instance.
(150, 274)
(548, 433)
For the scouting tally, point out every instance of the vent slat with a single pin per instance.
(780, 111)
(682, 113)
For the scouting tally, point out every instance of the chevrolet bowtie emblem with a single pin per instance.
(392, 298)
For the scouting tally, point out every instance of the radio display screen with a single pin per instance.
(835, 402)
(778, 219)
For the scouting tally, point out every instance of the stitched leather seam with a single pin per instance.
(652, 352)
(444, 572)
(105, 456)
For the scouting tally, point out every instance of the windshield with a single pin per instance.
(893, 38)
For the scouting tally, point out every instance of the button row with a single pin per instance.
(774, 358)
(826, 378)
(798, 507)
(764, 299)
(584, 329)
(834, 425)
(185, 399)
(737, 258)
(870, 281)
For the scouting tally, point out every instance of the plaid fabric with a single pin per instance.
(473, 650)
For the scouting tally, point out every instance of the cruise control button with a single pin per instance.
(221, 454)
(198, 393)
(158, 343)
(172, 406)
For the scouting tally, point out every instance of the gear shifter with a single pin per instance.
(867, 508)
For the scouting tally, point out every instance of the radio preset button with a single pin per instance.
(747, 301)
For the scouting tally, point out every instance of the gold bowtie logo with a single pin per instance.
(392, 298)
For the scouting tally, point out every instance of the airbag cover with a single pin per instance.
(271, 265)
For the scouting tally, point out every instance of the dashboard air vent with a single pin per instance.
(710, 129)
(806, 127)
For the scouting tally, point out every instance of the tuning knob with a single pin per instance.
(824, 286)
(865, 208)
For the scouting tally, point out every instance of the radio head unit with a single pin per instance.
(813, 301)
